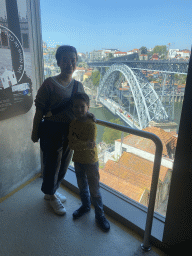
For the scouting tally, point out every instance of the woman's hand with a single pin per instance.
(92, 116)
(34, 137)
(36, 123)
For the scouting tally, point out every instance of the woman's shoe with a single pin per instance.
(58, 195)
(57, 206)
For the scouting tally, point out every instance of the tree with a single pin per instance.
(180, 79)
(143, 50)
(111, 55)
(95, 77)
(82, 64)
(110, 135)
(161, 50)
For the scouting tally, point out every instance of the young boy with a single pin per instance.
(82, 136)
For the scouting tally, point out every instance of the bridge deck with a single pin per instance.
(165, 66)
(116, 109)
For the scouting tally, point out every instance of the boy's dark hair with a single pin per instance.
(63, 49)
(81, 96)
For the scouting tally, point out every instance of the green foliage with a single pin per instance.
(82, 64)
(111, 55)
(183, 79)
(180, 79)
(151, 79)
(110, 135)
(143, 50)
(52, 52)
(95, 77)
(161, 50)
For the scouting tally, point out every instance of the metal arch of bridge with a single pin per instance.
(148, 105)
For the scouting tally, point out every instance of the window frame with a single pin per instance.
(170, 224)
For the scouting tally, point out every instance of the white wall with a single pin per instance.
(148, 156)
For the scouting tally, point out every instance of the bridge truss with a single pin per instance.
(147, 103)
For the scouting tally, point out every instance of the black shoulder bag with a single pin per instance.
(63, 106)
(66, 104)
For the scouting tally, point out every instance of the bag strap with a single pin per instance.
(66, 104)
(75, 88)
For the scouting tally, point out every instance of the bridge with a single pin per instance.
(164, 66)
(138, 103)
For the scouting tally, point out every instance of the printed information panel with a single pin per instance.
(15, 60)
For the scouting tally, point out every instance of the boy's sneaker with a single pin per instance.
(57, 206)
(60, 196)
(80, 212)
(103, 223)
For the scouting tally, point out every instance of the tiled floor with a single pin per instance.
(30, 227)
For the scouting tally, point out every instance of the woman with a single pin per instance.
(51, 124)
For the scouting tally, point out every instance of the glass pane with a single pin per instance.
(124, 167)
(132, 62)
(130, 170)
(15, 61)
(126, 163)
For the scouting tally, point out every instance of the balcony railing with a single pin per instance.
(155, 175)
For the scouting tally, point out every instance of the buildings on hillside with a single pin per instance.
(104, 54)
(119, 54)
(82, 73)
(179, 54)
(101, 54)
(155, 56)
(128, 168)
(109, 53)
(143, 57)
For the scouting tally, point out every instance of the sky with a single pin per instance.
(114, 24)
(119, 24)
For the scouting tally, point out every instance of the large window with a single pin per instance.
(133, 64)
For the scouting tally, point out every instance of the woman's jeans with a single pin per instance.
(88, 183)
(56, 154)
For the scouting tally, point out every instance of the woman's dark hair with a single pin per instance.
(80, 96)
(63, 49)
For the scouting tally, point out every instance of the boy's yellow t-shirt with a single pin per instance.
(79, 134)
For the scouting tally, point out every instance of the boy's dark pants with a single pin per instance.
(56, 154)
(88, 183)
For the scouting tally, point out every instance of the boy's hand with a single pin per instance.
(91, 144)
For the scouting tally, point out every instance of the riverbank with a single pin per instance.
(97, 106)
(104, 114)
(93, 104)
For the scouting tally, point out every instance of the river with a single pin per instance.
(104, 114)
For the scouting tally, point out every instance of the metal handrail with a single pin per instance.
(155, 176)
